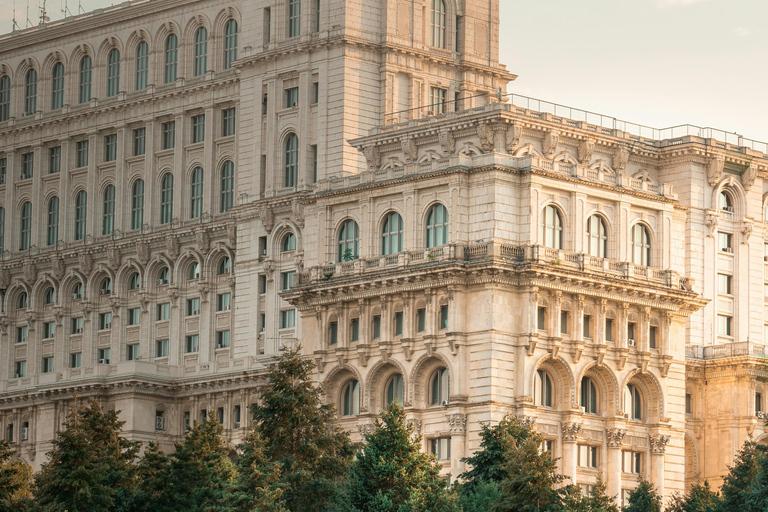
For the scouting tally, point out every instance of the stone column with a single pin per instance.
(570, 432)
(615, 436)
(658, 444)
(458, 426)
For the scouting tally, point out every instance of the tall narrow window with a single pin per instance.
(589, 395)
(437, 226)
(57, 86)
(142, 66)
(81, 212)
(198, 128)
(53, 221)
(438, 23)
(641, 245)
(201, 51)
(81, 156)
(597, 235)
(543, 391)
(294, 18)
(2, 229)
(171, 58)
(27, 165)
(139, 141)
(228, 122)
(227, 185)
(439, 387)
(5, 98)
(392, 234)
(113, 73)
(351, 399)
(30, 93)
(230, 43)
(110, 148)
(54, 160)
(553, 227)
(634, 402)
(196, 193)
(291, 160)
(166, 199)
(395, 390)
(137, 205)
(25, 239)
(169, 134)
(437, 96)
(349, 241)
(86, 68)
(108, 223)
(4, 171)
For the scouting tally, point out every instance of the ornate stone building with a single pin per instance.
(188, 188)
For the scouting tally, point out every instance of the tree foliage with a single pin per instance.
(15, 480)
(643, 498)
(737, 484)
(700, 498)
(258, 486)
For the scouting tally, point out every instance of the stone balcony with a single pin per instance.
(727, 350)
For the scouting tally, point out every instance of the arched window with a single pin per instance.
(21, 301)
(57, 86)
(166, 199)
(134, 282)
(439, 387)
(289, 243)
(108, 224)
(724, 201)
(227, 185)
(589, 395)
(437, 226)
(113, 73)
(81, 212)
(25, 231)
(137, 205)
(201, 51)
(196, 193)
(171, 58)
(349, 241)
(49, 297)
(291, 160)
(2, 229)
(193, 271)
(350, 398)
(395, 390)
(230, 43)
(224, 265)
(641, 245)
(597, 236)
(53, 221)
(392, 234)
(163, 276)
(553, 227)
(634, 402)
(438, 23)
(106, 286)
(294, 18)
(86, 67)
(30, 93)
(543, 389)
(142, 66)
(5, 98)
(77, 290)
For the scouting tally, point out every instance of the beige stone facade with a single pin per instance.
(190, 187)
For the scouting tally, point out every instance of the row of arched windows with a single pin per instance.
(226, 189)
(394, 390)
(114, 73)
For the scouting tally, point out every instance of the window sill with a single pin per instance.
(165, 152)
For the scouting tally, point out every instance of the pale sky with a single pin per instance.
(655, 62)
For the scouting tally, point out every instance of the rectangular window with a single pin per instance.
(27, 165)
(355, 328)
(724, 325)
(440, 447)
(223, 301)
(288, 319)
(262, 284)
(334, 333)
(161, 348)
(81, 157)
(134, 316)
(564, 322)
(77, 325)
(193, 306)
(21, 334)
(631, 334)
(105, 321)
(437, 98)
(313, 149)
(104, 355)
(168, 131)
(54, 162)
(688, 403)
(21, 369)
(630, 462)
(187, 420)
(725, 242)
(220, 415)
(286, 278)
(192, 343)
(541, 319)
(159, 420)
(609, 329)
(49, 330)
(587, 331)
(132, 353)
(163, 311)
(587, 456)
(222, 339)
(262, 322)
(443, 317)
(421, 320)
(652, 333)
(399, 323)
(48, 364)
(294, 18)
(377, 326)
(724, 282)
(758, 402)
(236, 416)
(139, 141)
(198, 128)
(315, 92)
(291, 97)
(3, 170)
(110, 148)
(267, 28)
(76, 360)
(228, 122)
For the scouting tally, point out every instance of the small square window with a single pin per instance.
(48, 364)
(163, 311)
(77, 325)
(587, 456)
(133, 352)
(104, 355)
(631, 462)
(134, 316)
(20, 369)
(724, 284)
(291, 97)
(286, 279)
(223, 302)
(49, 330)
(21, 334)
(161, 348)
(724, 325)
(288, 319)
(105, 321)
(193, 306)
(222, 339)
(440, 447)
(76, 360)
(725, 242)
(192, 343)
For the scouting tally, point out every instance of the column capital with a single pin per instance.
(658, 443)
(458, 423)
(570, 431)
(615, 436)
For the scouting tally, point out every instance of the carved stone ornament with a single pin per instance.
(571, 430)
(408, 146)
(586, 148)
(486, 136)
(298, 212)
(5, 278)
(658, 443)
(514, 133)
(749, 177)
(113, 257)
(715, 169)
(746, 230)
(615, 436)
(366, 429)
(711, 220)
(620, 158)
(30, 272)
(372, 157)
(528, 421)
(203, 241)
(269, 268)
(447, 142)
(415, 425)
(172, 247)
(142, 251)
(458, 423)
(58, 266)
(551, 140)
(267, 218)
(232, 235)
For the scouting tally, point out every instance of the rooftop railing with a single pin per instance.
(725, 350)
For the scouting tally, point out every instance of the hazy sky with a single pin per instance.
(654, 62)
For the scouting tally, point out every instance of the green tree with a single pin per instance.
(488, 462)
(391, 473)
(700, 498)
(595, 501)
(153, 478)
(737, 484)
(480, 497)
(15, 480)
(302, 435)
(643, 498)
(90, 466)
(258, 486)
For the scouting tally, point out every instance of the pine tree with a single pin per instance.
(599, 501)
(153, 478)
(391, 473)
(91, 465)
(480, 497)
(487, 462)
(258, 488)
(643, 498)
(301, 434)
(700, 498)
(737, 484)
(15, 480)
